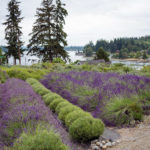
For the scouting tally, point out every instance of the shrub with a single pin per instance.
(3, 76)
(66, 110)
(86, 129)
(24, 73)
(40, 140)
(55, 103)
(121, 111)
(71, 117)
(61, 105)
(49, 98)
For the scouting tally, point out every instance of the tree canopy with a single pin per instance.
(48, 38)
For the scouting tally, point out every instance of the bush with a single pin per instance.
(40, 140)
(49, 98)
(61, 105)
(55, 103)
(3, 76)
(24, 73)
(86, 129)
(66, 110)
(121, 111)
(71, 117)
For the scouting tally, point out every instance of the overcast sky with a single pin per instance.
(90, 19)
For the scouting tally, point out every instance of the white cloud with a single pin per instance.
(92, 20)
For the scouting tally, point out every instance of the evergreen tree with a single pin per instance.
(101, 54)
(60, 36)
(13, 31)
(144, 55)
(45, 41)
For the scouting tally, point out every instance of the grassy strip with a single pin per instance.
(82, 126)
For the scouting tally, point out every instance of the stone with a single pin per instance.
(98, 143)
(95, 148)
(110, 134)
(103, 142)
(104, 147)
(94, 141)
(118, 141)
(113, 143)
(109, 144)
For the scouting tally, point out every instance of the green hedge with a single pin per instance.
(86, 128)
(81, 125)
(55, 102)
(41, 139)
(61, 105)
(24, 73)
(74, 116)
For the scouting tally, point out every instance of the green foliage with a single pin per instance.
(126, 69)
(101, 54)
(52, 44)
(13, 31)
(71, 117)
(58, 60)
(86, 129)
(55, 103)
(88, 49)
(66, 110)
(49, 98)
(123, 110)
(144, 55)
(41, 139)
(61, 105)
(24, 73)
(3, 76)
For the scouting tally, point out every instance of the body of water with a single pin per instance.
(29, 60)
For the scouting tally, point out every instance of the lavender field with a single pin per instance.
(92, 90)
(22, 110)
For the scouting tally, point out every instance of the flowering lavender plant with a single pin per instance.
(92, 90)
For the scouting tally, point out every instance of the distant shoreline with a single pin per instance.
(133, 59)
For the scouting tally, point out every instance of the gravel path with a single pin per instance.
(137, 138)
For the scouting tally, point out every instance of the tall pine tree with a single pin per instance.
(13, 31)
(43, 37)
(60, 36)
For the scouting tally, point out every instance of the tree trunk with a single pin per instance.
(14, 61)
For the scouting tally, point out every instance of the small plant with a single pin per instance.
(55, 103)
(49, 98)
(86, 129)
(42, 139)
(71, 117)
(120, 111)
(61, 105)
(66, 110)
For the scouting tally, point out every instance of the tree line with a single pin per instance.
(121, 47)
(47, 39)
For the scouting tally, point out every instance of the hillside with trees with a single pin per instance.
(121, 47)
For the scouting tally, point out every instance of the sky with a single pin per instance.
(90, 20)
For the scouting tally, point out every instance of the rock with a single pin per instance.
(109, 144)
(95, 148)
(113, 143)
(104, 147)
(103, 142)
(118, 141)
(94, 141)
(110, 134)
(98, 143)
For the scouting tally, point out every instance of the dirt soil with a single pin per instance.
(137, 138)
